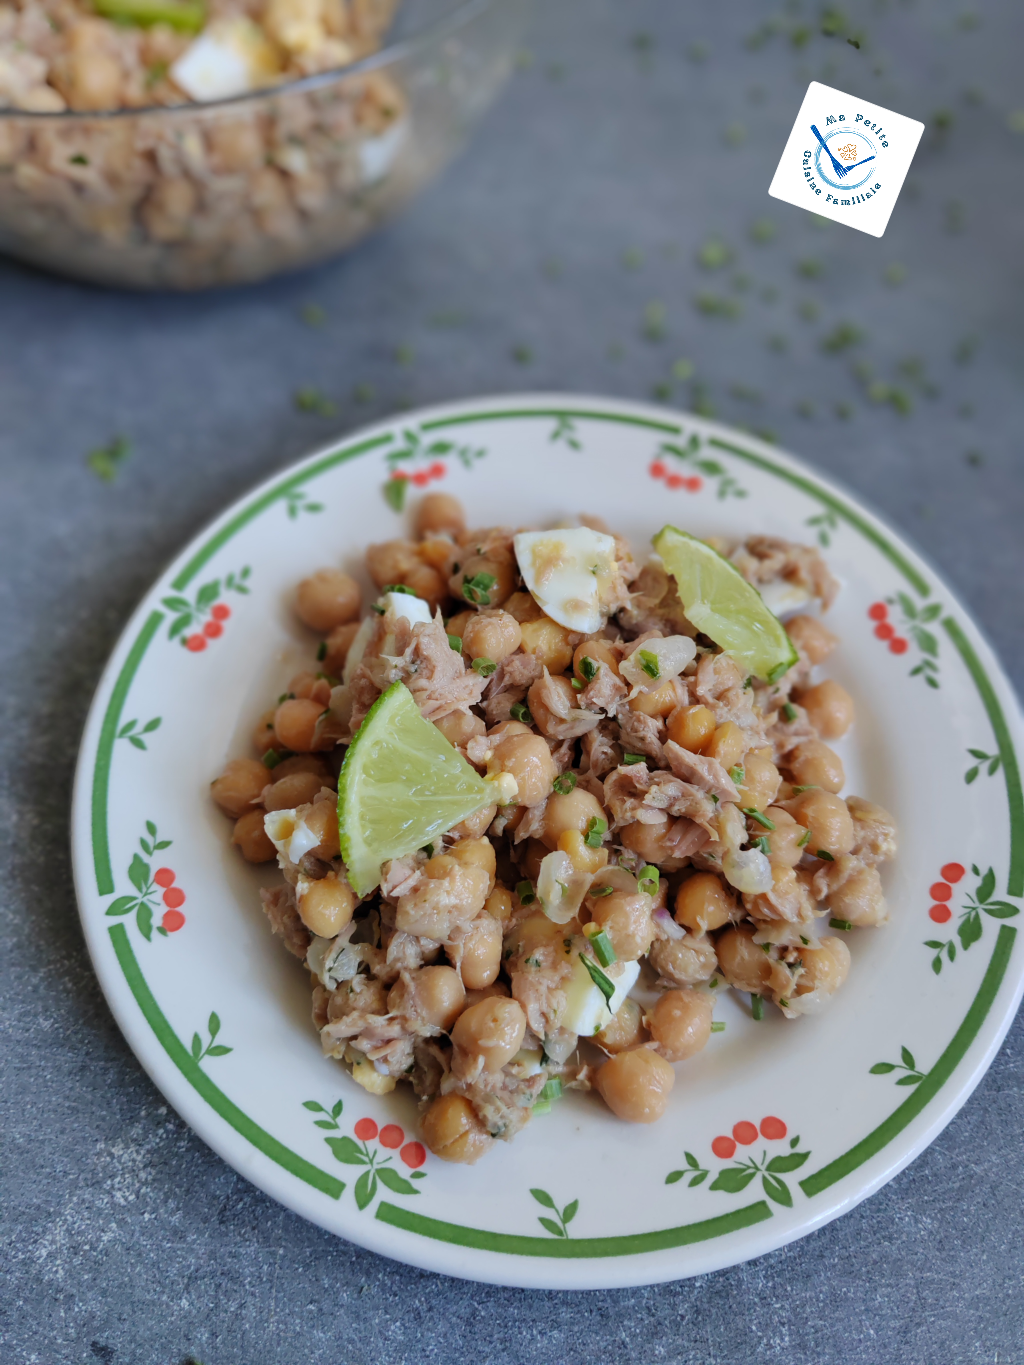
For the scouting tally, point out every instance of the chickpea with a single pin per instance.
(548, 642)
(239, 786)
(523, 607)
(785, 848)
(457, 624)
(601, 653)
(264, 740)
(626, 919)
(453, 1132)
(167, 210)
(434, 995)
(828, 819)
(703, 903)
(252, 839)
(812, 638)
(860, 899)
(326, 905)
(303, 763)
(339, 642)
(661, 702)
(327, 599)
(497, 988)
(653, 842)
(743, 964)
(459, 727)
(499, 904)
(310, 687)
(728, 744)
(533, 854)
(296, 726)
(825, 967)
(529, 760)
(297, 789)
(761, 781)
(680, 1023)
(546, 721)
(574, 811)
(94, 77)
(584, 858)
(481, 953)
(501, 570)
(486, 1036)
(474, 825)
(691, 727)
(390, 561)
(476, 853)
(491, 635)
(625, 1031)
(829, 708)
(508, 727)
(235, 146)
(440, 512)
(684, 961)
(635, 1085)
(814, 764)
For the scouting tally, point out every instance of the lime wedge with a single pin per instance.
(720, 602)
(400, 787)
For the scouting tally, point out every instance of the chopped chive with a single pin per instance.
(602, 982)
(778, 671)
(715, 799)
(713, 982)
(374, 606)
(321, 651)
(564, 784)
(764, 844)
(843, 924)
(456, 643)
(649, 663)
(577, 686)
(428, 849)
(398, 587)
(596, 830)
(752, 814)
(765, 948)
(634, 758)
(648, 880)
(738, 774)
(541, 1107)
(748, 682)
(824, 854)
(756, 1007)
(789, 711)
(485, 667)
(285, 696)
(271, 759)
(526, 893)
(588, 668)
(602, 946)
(552, 1090)
(520, 712)
(601, 891)
(802, 843)
(718, 1026)
(477, 588)
(807, 787)
(783, 1003)
(804, 941)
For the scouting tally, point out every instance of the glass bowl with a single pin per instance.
(198, 195)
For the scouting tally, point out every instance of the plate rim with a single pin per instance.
(505, 1264)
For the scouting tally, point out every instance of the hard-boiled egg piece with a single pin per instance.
(291, 836)
(566, 570)
(230, 57)
(403, 604)
(586, 1011)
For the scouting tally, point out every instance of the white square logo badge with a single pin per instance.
(846, 159)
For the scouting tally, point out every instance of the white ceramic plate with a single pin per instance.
(777, 1126)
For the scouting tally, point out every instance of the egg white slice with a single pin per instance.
(565, 571)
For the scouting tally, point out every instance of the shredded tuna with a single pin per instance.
(636, 793)
(641, 734)
(705, 773)
(283, 913)
(568, 721)
(600, 751)
(763, 559)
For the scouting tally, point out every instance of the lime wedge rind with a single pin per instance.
(722, 605)
(401, 786)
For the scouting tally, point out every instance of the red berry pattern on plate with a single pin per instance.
(682, 466)
(693, 483)
(969, 928)
(149, 886)
(350, 1152)
(736, 1177)
(198, 622)
(415, 446)
(914, 627)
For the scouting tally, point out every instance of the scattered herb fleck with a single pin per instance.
(106, 460)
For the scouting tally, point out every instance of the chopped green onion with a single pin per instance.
(271, 758)
(756, 1007)
(485, 667)
(374, 606)
(601, 891)
(738, 774)
(321, 651)
(789, 711)
(748, 682)
(596, 830)
(648, 880)
(634, 758)
(713, 982)
(776, 672)
(185, 17)
(764, 844)
(718, 1026)
(577, 686)
(602, 982)
(783, 1003)
(563, 785)
(399, 587)
(807, 787)
(552, 1090)
(588, 668)
(428, 849)
(456, 643)
(765, 948)
(285, 696)
(843, 924)
(526, 893)
(825, 855)
(541, 1107)
(804, 941)
(521, 713)
(602, 946)
(753, 814)
(715, 799)
(802, 843)
(649, 663)
(477, 588)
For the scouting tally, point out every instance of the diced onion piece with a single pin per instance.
(665, 659)
(291, 836)
(668, 924)
(748, 870)
(560, 888)
(565, 571)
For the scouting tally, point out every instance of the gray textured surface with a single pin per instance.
(127, 1240)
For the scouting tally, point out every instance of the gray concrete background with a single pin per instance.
(632, 135)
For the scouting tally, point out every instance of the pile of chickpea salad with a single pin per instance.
(646, 821)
